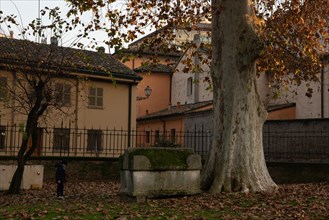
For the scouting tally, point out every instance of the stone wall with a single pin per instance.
(297, 140)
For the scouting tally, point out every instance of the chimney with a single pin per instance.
(11, 34)
(101, 49)
(197, 39)
(44, 40)
(54, 41)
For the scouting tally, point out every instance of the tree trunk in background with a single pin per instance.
(16, 182)
(236, 160)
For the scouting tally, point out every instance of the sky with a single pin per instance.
(28, 10)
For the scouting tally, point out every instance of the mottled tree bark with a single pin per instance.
(236, 159)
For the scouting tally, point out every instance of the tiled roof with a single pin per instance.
(280, 106)
(156, 68)
(151, 51)
(175, 110)
(197, 107)
(27, 52)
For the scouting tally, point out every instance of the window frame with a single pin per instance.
(94, 140)
(147, 137)
(173, 135)
(63, 94)
(96, 96)
(189, 87)
(59, 134)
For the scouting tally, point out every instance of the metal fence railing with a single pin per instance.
(296, 146)
(101, 143)
(281, 142)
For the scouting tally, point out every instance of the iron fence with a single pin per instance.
(100, 143)
(296, 145)
(281, 144)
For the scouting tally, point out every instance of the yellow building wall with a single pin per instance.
(77, 117)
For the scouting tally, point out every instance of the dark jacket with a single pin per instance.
(60, 173)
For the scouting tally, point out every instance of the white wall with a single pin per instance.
(199, 91)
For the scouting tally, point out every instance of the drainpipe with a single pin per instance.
(129, 114)
(13, 100)
(76, 116)
(322, 89)
(170, 89)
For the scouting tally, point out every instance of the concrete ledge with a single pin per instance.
(159, 172)
(32, 176)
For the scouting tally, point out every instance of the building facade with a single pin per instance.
(91, 96)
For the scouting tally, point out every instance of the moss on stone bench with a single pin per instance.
(157, 159)
(157, 172)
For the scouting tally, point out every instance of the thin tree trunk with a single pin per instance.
(236, 159)
(15, 185)
(24, 154)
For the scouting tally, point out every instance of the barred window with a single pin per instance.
(173, 135)
(157, 136)
(147, 136)
(94, 140)
(2, 137)
(95, 97)
(61, 139)
(63, 94)
(3, 88)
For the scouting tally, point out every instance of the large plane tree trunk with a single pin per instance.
(236, 159)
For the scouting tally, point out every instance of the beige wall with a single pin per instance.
(113, 115)
(306, 107)
(114, 112)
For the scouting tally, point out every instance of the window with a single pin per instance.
(3, 88)
(94, 140)
(95, 97)
(147, 136)
(189, 86)
(61, 139)
(2, 137)
(63, 94)
(173, 135)
(157, 136)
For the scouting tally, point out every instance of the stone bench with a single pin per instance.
(159, 172)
